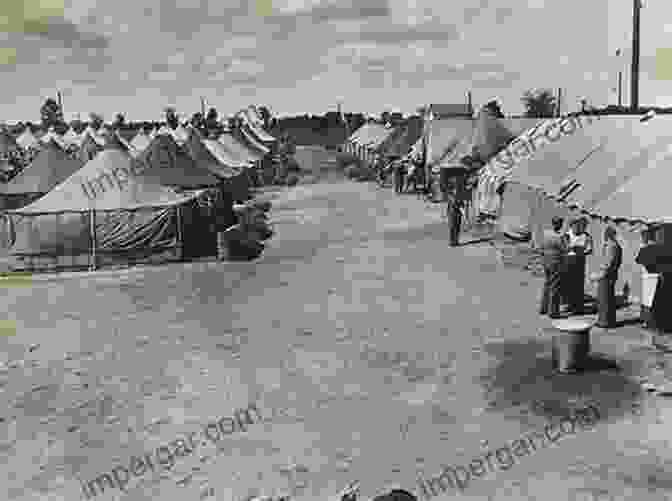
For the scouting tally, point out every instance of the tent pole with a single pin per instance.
(92, 219)
(180, 246)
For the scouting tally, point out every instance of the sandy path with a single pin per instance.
(374, 349)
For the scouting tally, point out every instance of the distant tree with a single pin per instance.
(50, 113)
(171, 117)
(96, 120)
(539, 103)
(119, 121)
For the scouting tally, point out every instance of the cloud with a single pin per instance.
(69, 35)
(351, 10)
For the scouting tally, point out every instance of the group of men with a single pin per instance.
(564, 255)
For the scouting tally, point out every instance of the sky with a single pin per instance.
(305, 56)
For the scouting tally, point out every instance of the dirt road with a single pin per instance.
(373, 350)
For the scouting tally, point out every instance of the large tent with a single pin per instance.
(105, 209)
(366, 140)
(50, 167)
(622, 155)
(402, 139)
(89, 147)
(442, 137)
(643, 198)
(168, 165)
(579, 169)
(206, 154)
(607, 167)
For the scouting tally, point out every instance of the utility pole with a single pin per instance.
(634, 84)
(620, 88)
(203, 107)
(559, 103)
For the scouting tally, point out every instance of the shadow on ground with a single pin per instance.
(524, 376)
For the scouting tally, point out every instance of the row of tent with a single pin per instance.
(250, 133)
(121, 200)
(614, 170)
(443, 141)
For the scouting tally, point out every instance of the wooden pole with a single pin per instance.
(620, 88)
(92, 219)
(180, 243)
(634, 76)
(60, 104)
(559, 106)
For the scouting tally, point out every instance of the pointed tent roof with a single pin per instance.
(88, 148)
(50, 136)
(169, 166)
(444, 136)
(73, 194)
(237, 149)
(207, 157)
(27, 139)
(490, 135)
(50, 167)
(97, 136)
(141, 141)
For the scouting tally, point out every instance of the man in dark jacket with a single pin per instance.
(455, 219)
(554, 248)
(606, 280)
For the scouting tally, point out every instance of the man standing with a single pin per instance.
(580, 245)
(606, 280)
(454, 219)
(554, 248)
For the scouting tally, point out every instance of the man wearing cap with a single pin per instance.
(554, 248)
(606, 280)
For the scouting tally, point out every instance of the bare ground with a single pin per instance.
(377, 350)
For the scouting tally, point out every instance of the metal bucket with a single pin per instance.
(571, 344)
